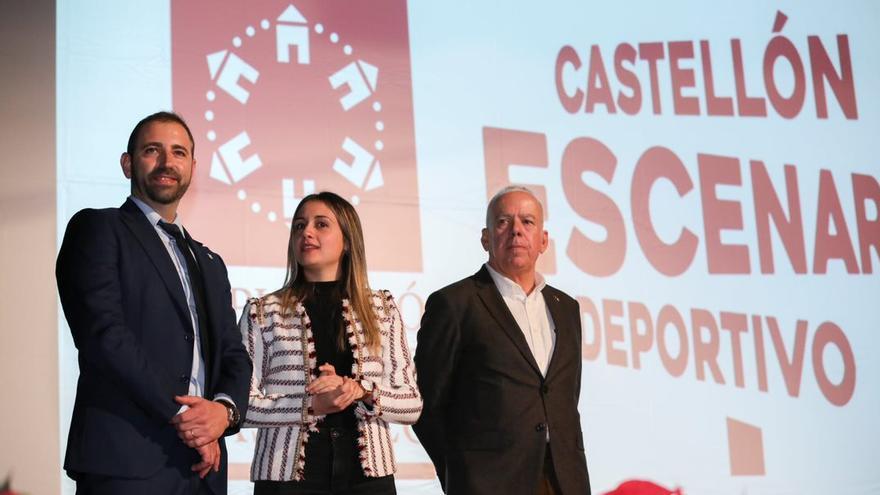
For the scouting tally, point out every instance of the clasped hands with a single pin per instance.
(333, 393)
(199, 427)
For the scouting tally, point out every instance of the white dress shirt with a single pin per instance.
(531, 314)
(197, 374)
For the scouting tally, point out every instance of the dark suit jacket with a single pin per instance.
(128, 315)
(486, 405)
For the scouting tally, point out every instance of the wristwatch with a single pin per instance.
(232, 415)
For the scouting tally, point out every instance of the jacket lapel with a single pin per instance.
(146, 235)
(554, 306)
(491, 298)
(202, 257)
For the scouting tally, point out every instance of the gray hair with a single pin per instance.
(507, 190)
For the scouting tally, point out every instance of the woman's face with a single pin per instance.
(318, 242)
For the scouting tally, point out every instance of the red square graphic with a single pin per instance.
(745, 444)
(286, 98)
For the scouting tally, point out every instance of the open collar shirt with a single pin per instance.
(531, 314)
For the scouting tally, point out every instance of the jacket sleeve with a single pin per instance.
(436, 359)
(87, 273)
(235, 364)
(396, 397)
(271, 409)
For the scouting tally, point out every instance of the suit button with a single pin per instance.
(540, 426)
(183, 378)
(187, 337)
(545, 389)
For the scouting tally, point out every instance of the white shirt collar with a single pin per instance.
(509, 288)
(152, 215)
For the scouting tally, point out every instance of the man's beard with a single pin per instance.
(162, 195)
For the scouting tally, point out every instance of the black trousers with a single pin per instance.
(332, 468)
(166, 481)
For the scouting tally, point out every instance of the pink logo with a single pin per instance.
(288, 98)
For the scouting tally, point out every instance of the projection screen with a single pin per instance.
(710, 184)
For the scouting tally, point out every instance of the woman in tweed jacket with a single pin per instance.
(331, 364)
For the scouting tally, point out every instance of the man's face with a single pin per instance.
(515, 236)
(161, 167)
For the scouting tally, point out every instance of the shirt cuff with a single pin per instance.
(224, 398)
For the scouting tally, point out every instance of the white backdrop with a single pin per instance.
(774, 386)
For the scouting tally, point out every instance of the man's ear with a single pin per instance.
(125, 162)
(484, 239)
(545, 241)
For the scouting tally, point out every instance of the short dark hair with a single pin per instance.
(158, 117)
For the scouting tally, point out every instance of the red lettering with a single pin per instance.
(746, 105)
(788, 108)
(651, 53)
(715, 105)
(598, 89)
(656, 163)
(669, 316)
(720, 214)
(502, 148)
(840, 394)
(792, 369)
(842, 85)
(612, 310)
(590, 347)
(829, 216)
(568, 56)
(866, 188)
(672, 343)
(630, 105)
(682, 78)
(640, 341)
(603, 258)
(760, 357)
(705, 350)
(767, 207)
(736, 324)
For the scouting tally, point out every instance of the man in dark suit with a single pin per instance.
(163, 372)
(499, 368)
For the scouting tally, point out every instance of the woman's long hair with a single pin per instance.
(353, 265)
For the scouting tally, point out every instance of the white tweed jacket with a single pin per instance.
(283, 352)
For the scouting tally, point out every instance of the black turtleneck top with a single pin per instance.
(323, 304)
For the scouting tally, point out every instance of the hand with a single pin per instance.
(323, 403)
(204, 421)
(351, 391)
(339, 398)
(328, 380)
(210, 459)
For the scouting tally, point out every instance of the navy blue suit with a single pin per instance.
(126, 309)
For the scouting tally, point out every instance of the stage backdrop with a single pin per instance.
(709, 173)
